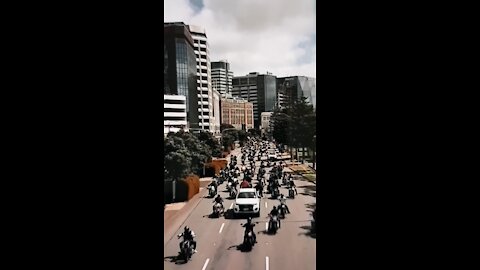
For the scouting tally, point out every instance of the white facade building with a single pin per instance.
(216, 112)
(265, 122)
(204, 82)
(174, 113)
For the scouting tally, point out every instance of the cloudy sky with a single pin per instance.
(278, 36)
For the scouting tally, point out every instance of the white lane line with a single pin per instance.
(267, 265)
(221, 228)
(265, 204)
(231, 206)
(205, 265)
(266, 226)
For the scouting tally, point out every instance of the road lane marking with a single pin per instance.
(231, 206)
(265, 204)
(205, 265)
(221, 228)
(267, 265)
(266, 226)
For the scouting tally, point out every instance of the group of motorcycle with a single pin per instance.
(231, 174)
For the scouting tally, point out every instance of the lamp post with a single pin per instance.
(314, 150)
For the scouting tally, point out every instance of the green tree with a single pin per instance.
(199, 151)
(225, 126)
(211, 141)
(228, 139)
(242, 136)
(295, 125)
(177, 161)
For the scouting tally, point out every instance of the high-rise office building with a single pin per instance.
(222, 77)
(295, 87)
(179, 72)
(260, 89)
(204, 83)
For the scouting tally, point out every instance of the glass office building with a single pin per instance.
(180, 67)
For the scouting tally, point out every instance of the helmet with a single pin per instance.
(187, 229)
(249, 219)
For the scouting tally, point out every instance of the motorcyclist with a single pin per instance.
(213, 184)
(259, 188)
(219, 200)
(274, 213)
(249, 228)
(291, 184)
(188, 235)
(244, 184)
(274, 186)
(283, 201)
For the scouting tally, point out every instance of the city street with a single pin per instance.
(218, 239)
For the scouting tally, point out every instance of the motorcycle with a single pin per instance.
(273, 224)
(282, 210)
(186, 251)
(276, 192)
(229, 186)
(217, 209)
(291, 193)
(212, 191)
(233, 194)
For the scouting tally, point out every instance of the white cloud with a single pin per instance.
(255, 35)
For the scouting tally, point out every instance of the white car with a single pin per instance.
(272, 155)
(247, 202)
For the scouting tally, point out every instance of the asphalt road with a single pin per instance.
(219, 239)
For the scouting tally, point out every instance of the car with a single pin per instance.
(272, 155)
(247, 202)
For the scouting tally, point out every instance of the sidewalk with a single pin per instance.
(179, 205)
(175, 214)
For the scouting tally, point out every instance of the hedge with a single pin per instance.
(184, 189)
(193, 183)
(217, 165)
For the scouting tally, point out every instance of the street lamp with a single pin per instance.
(314, 150)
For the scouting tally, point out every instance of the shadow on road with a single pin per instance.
(308, 190)
(175, 259)
(240, 247)
(229, 214)
(311, 206)
(308, 231)
(212, 215)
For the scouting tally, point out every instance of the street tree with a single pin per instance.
(177, 161)
(294, 125)
(211, 141)
(199, 151)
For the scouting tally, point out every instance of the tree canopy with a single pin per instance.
(295, 125)
(187, 153)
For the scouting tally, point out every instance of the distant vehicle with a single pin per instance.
(272, 155)
(247, 202)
